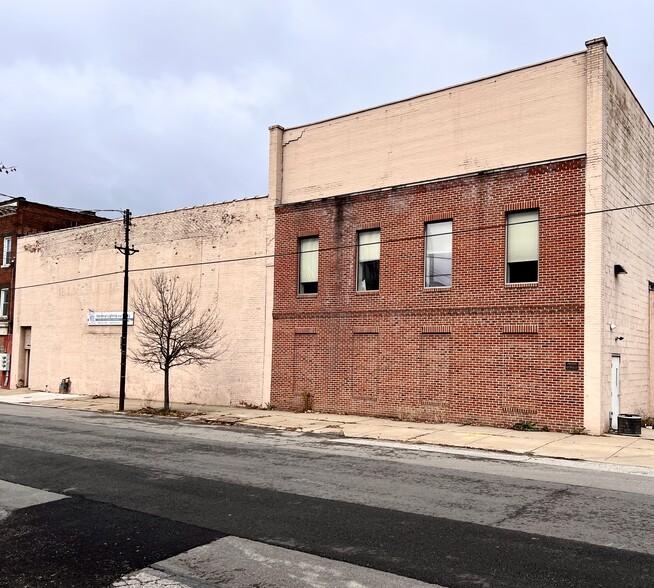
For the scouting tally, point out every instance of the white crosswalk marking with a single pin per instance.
(240, 563)
(14, 496)
(148, 580)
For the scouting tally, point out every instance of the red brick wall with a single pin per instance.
(481, 351)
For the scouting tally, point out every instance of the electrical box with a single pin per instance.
(4, 362)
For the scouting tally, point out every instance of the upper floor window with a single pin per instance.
(4, 302)
(522, 246)
(6, 251)
(368, 260)
(308, 265)
(438, 254)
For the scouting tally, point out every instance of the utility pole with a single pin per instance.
(126, 250)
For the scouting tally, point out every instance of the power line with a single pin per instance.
(337, 247)
(78, 279)
(88, 210)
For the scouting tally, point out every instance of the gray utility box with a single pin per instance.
(629, 424)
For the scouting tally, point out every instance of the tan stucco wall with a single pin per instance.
(214, 241)
(528, 115)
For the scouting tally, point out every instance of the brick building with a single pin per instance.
(479, 254)
(19, 217)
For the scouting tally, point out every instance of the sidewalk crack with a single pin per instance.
(620, 449)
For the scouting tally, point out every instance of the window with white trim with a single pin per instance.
(368, 249)
(6, 251)
(308, 265)
(4, 303)
(522, 246)
(438, 254)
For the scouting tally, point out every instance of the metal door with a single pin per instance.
(615, 390)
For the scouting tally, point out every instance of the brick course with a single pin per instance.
(480, 351)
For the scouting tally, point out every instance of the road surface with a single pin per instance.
(111, 500)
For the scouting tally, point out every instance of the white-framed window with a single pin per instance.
(368, 248)
(308, 265)
(438, 254)
(4, 302)
(522, 246)
(6, 251)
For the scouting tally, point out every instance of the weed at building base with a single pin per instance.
(307, 402)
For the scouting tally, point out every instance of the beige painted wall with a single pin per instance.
(651, 353)
(627, 240)
(619, 173)
(212, 240)
(528, 115)
(595, 323)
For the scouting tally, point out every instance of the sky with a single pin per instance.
(154, 105)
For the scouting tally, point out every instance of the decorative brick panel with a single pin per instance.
(436, 330)
(366, 330)
(518, 329)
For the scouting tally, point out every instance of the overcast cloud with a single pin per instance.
(155, 104)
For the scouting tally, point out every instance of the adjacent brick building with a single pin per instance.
(461, 255)
(19, 217)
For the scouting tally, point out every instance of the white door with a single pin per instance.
(615, 390)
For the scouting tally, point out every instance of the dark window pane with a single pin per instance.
(370, 274)
(439, 271)
(309, 288)
(523, 271)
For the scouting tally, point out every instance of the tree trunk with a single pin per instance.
(166, 405)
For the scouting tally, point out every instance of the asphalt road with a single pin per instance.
(138, 491)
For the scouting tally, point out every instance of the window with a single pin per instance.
(438, 254)
(368, 260)
(308, 265)
(4, 302)
(522, 246)
(6, 251)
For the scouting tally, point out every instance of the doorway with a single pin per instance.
(24, 357)
(615, 391)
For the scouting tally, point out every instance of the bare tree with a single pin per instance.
(172, 330)
(7, 168)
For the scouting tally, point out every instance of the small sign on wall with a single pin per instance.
(571, 366)
(104, 319)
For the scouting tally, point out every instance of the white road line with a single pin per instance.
(35, 397)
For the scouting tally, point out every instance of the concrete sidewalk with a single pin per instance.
(610, 449)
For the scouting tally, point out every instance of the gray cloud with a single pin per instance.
(154, 105)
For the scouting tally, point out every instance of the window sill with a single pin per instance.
(436, 288)
(306, 296)
(367, 292)
(521, 285)
(5, 265)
